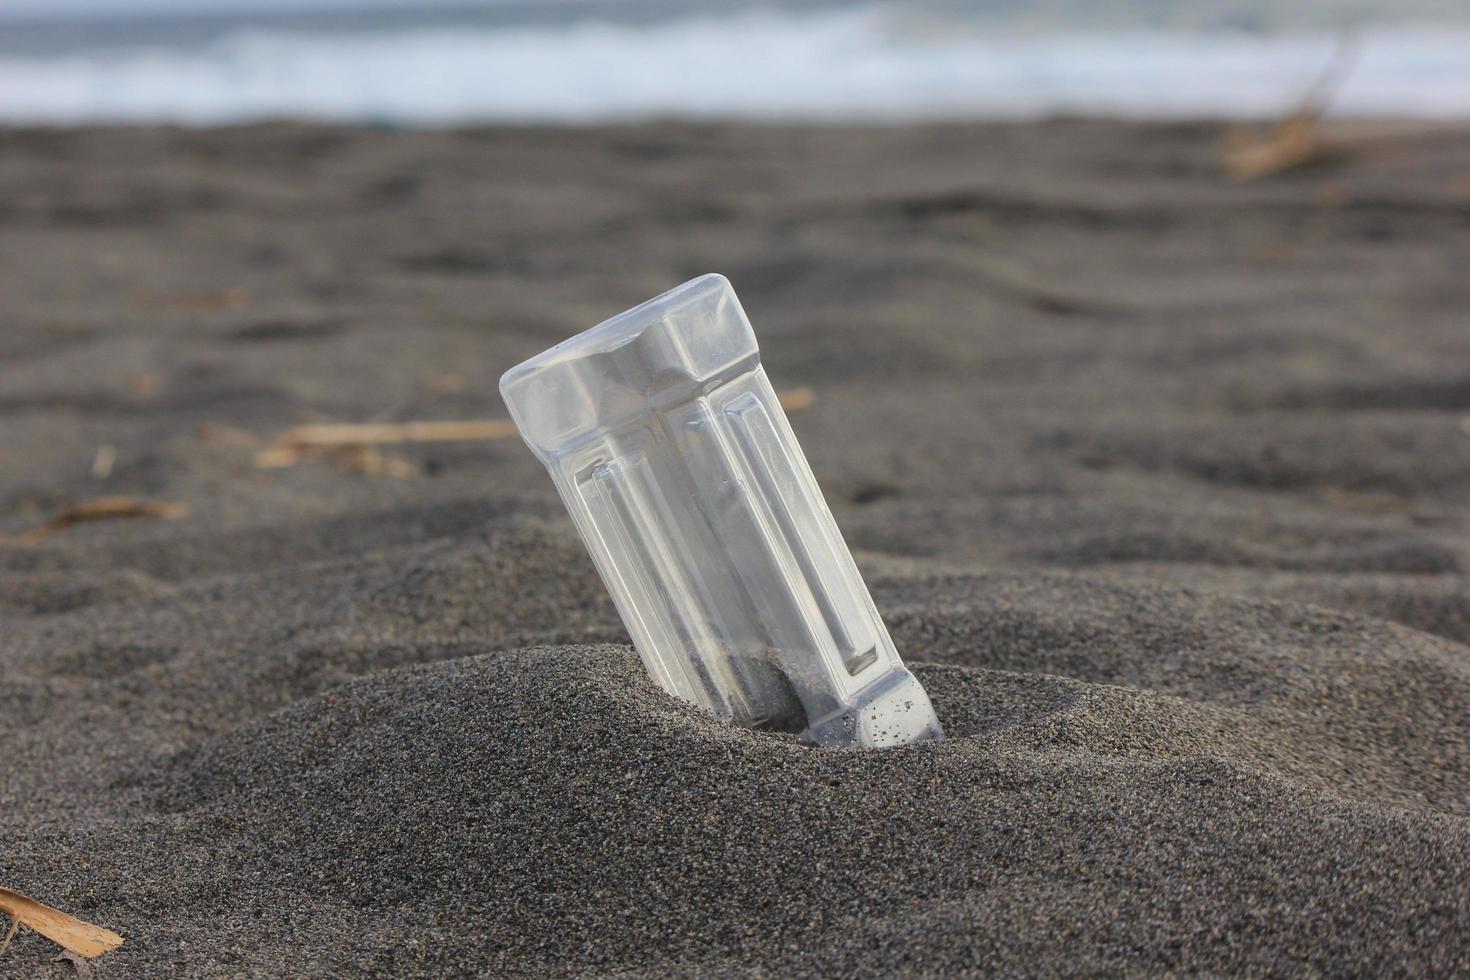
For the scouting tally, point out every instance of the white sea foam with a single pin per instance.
(844, 64)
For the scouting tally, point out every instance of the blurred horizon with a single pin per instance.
(579, 61)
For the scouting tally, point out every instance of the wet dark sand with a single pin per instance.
(1162, 483)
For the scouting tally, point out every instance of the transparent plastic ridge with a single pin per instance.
(669, 448)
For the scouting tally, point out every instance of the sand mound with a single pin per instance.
(567, 813)
(1136, 777)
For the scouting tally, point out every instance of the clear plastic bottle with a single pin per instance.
(673, 455)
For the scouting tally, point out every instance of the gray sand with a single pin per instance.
(1161, 483)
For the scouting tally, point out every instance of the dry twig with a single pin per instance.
(356, 445)
(66, 931)
(100, 509)
(326, 436)
(1252, 152)
(1301, 138)
(797, 399)
(1294, 142)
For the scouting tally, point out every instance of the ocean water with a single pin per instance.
(569, 62)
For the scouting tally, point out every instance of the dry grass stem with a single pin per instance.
(9, 934)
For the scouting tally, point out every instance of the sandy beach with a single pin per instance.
(1161, 483)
